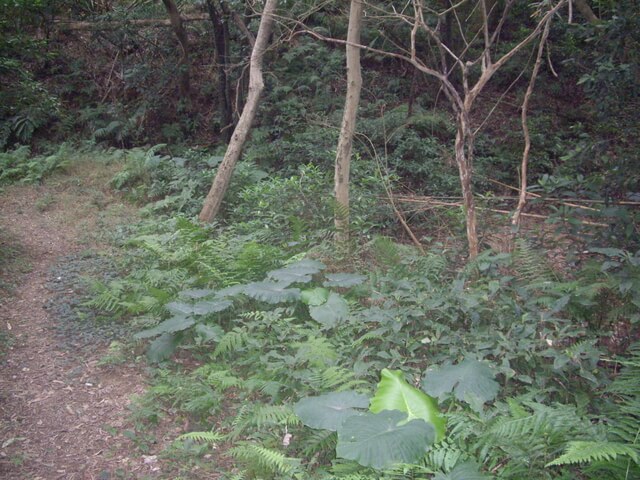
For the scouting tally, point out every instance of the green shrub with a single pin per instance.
(19, 166)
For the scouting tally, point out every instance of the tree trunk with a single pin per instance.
(584, 8)
(181, 34)
(221, 45)
(524, 166)
(464, 159)
(345, 142)
(220, 184)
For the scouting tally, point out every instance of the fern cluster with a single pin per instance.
(270, 326)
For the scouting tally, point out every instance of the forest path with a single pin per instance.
(61, 412)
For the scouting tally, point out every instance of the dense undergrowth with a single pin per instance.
(532, 369)
(293, 359)
(271, 323)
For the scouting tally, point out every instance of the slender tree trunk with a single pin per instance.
(181, 34)
(464, 159)
(345, 142)
(412, 92)
(522, 198)
(584, 8)
(220, 184)
(220, 24)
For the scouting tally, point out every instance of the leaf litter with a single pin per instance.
(62, 413)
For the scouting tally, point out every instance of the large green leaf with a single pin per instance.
(196, 293)
(162, 347)
(299, 272)
(272, 292)
(230, 291)
(211, 306)
(332, 312)
(394, 393)
(470, 381)
(203, 307)
(380, 440)
(314, 296)
(463, 471)
(308, 263)
(343, 279)
(180, 308)
(208, 333)
(174, 324)
(328, 412)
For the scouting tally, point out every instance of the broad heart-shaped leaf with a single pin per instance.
(180, 308)
(162, 347)
(299, 272)
(329, 411)
(174, 324)
(196, 293)
(380, 440)
(343, 279)
(394, 393)
(271, 292)
(230, 291)
(308, 263)
(314, 296)
(463, 471)
(470, 381)
(332, 312)
(209, 332)
(211, 306)
(203, 307)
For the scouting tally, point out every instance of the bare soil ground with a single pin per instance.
(61, 413)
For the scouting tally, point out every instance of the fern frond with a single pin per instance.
(264, 415)
(241, 416)
(518, 428)
(580, 452)
(626, 383)
(386, 251)
(372, 335)
(258, 416)
(211, 438)
(315, 351)
(266, 459)
(108, 297)
(223, 380)
(319, 441)
(432, 266)
(335, 379)
(444, 456)
(231, 342)
(529, 264)
(625, 420)
(239, 476)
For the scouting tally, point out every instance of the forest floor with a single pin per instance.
(64, 413)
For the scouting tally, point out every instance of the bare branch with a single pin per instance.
(522, 200)
(485, 32)
(416, 63)
(503, 18)
(486, 75)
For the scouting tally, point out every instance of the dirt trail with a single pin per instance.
(61, 414)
